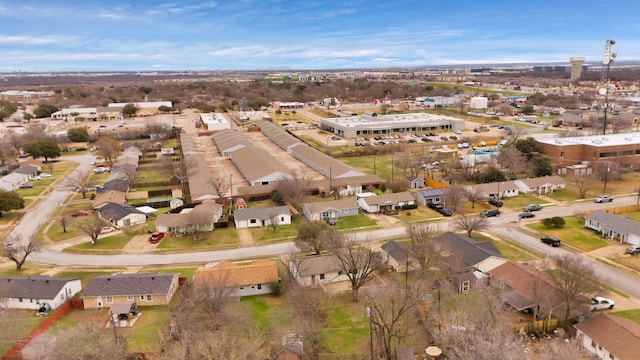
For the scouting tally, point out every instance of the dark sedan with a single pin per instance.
(526, 215)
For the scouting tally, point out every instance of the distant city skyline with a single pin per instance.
(85, 35)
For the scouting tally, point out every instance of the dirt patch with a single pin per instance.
(383, 220)
(139, 244)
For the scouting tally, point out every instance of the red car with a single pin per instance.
(156, 237)
(80, 213)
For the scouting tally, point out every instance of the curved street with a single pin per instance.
(506, 225)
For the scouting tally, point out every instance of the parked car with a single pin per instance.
(444, 138)
(453, 137)
(106, 229)
(34, 177)
(532, 207)
(458, 132)
(633, 249)
(551, 241)
(603, 199)
(80, 213)
(495, 202)
(45, 175)
(156, 237)
(26, 186)
(330, 221)
(526, 215)
(601, 303)
(490, 213)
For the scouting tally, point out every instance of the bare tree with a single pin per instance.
(7, 154)
(91, 226)
(221, 186)
(512, 161)
(88, 339)
(177, 170)
(356, 262)
(423, 247)
(469, 224)
(474, 195)
(64, 221)
(583, 184)
(76, 181)
(200, 220)
(108, 148)
(307, 303)
(397, 185)
(389, 313)
(573, 278)
(310, 236)
(294, 190)
(17, 251)
(454, 195)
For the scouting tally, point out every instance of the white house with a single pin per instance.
(317, 269)
(330, 209)
(258, 217)
(121, 215)
(256, 278)
(540, 185)
(384, 203)
(202, 217)
(608, 336)
(398, 257)
(13, 181)
(614, 226)
(502, 189)
(30, 292)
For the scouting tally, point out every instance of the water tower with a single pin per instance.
(576, 67)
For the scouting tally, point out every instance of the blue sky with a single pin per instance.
(86, 35)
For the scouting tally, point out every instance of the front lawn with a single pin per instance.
(509, 250)
(108, 245)
(573, 233)
(16, 324)
(633, 315)
(522, 200)
(267, 234)
(222, 238)
(355, 222)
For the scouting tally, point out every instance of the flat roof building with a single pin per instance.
(595, 150)
(374, 124)
(215, 121)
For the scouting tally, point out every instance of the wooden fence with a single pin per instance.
(617, 209)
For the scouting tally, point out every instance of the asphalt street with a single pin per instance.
(504, 225)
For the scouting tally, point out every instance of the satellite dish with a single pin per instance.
(602, 91)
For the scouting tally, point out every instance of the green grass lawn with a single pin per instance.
(151, 176)
(522, 200)
(573, 233)
(56, 233)
(347, 325)
(184, 272)
(354, 222)
(633, 315)
(222, 238)
(371, 164)
(509, 250)
(150, 327)
(266, 234)
(88, 274)
(28, 269)
(108, 245)
(634, 215)
(16, 324)
(421, 214)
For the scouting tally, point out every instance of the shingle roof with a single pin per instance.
(115, 211)
(116, 184)
(388, 199)
(396, 250)
(317, 264)
(536, 182)
(615, 222)
(129, 284)
(260, 213)
(231, 275)
(472, 251)
(114, 196)
(620, 336)
(321, 206)
(32, 287)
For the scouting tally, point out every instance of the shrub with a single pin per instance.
(548, 222)
(558, 221)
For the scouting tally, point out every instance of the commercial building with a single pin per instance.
(374, 124)
(621, 150)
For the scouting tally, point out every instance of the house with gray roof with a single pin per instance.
(11, 182)
(29, 170)
(398, 257)
(259, 217)
(385, 203)
(414, 182)
(121, 215)
(202, 217)
(317, 269)
(30, 292)
(330, 209)
(143, 288)
(613, 226)
(429, 196)
(117, 184)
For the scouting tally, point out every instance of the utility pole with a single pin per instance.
(606, 178)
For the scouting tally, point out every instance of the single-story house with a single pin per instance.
(498, 190)
(398, 257)
(121, 215)
(31, 292)
(317, 269)
(415, 182)
(113, 196)
(330, 209)
(608, 336)
(256, 278)
(429, 196)
(117, 184)
(540, 185)
(258, 217)
(614, 226)
(29, 170)
(385, 203)
(203, 216)
(468, 251)
(143, 288)
(527, 288)
(11, 182)
(33, 162)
